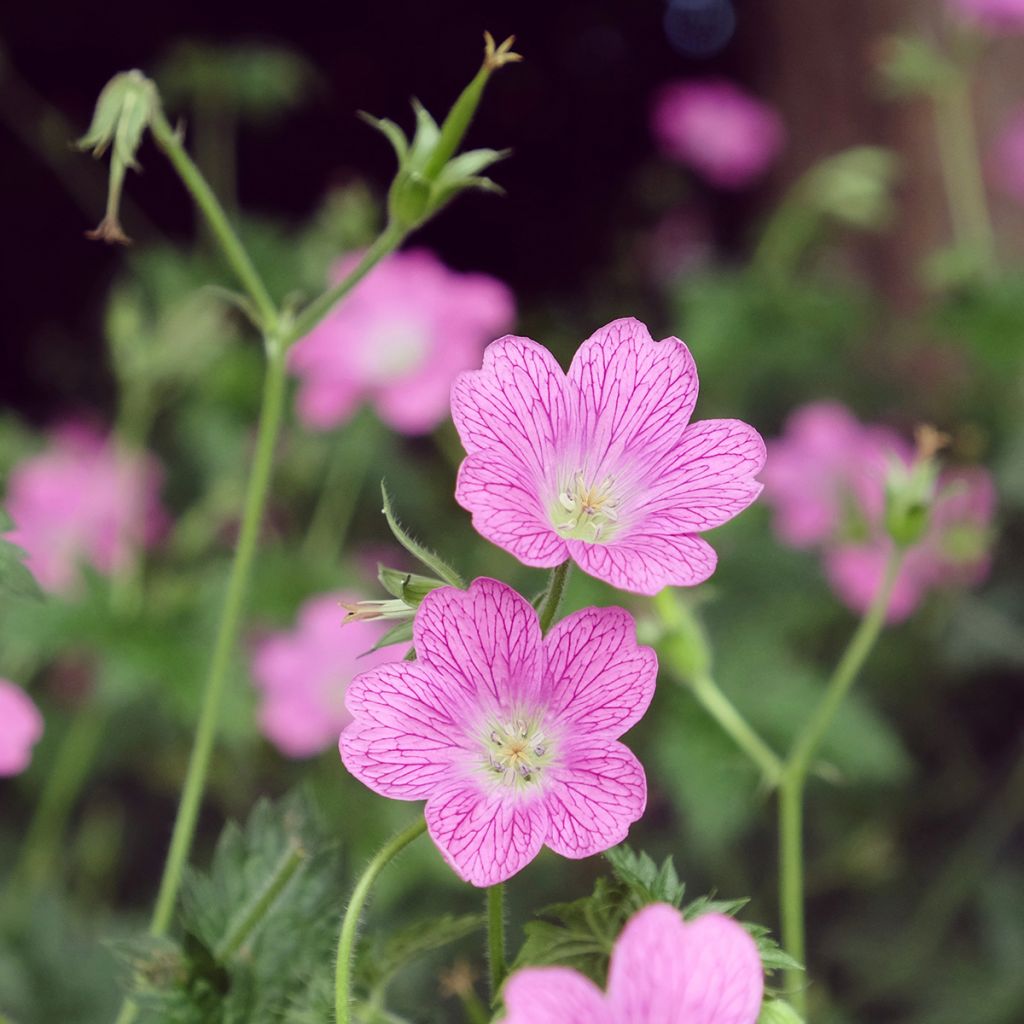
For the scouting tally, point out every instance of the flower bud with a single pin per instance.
(910, 491)
(124, 110)
(776, 1011)
(430, 174)
(855, 186)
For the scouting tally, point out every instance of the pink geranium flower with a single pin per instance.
(510, 737)
(83, 501)
(1006, 162)
(663, 971)
(397, 341)
(826, 479)
(726, 135)
(601, 465)
(21, 725)
(302, 674)
(991, 15)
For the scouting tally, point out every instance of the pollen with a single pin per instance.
(516, 752)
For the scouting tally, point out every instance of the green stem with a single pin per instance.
(76, 752)
(387, 242)
(350, 922)
(794, 777)
(553, 595)
(737, 728)
(170, 142)
(496, 937)
(962, 172)
(227, 634)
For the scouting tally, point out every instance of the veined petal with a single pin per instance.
(664, 971)
(634, 395)
(407, 730)
(515, 406)
(554, 995)
(600, 679)
(645, 562)
(504, 500)
(597, 791)
(486, 639)
(708, 477)
(485, 836)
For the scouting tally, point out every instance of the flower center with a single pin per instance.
(586, 511)
(394, 350)
(516, 752)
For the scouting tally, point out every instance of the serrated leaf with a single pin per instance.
(648, 882)
(422, 554)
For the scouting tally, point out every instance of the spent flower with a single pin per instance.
(711, 125)
(511, 737)
(601, 465)
(302, 673)
(21, 726)
(83, 500)
(663, 971)
(398, 341)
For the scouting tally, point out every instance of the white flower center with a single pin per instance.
(516, 752)
(394, 350)
(587, 510)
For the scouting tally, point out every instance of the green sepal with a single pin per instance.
(422, 554)
(407, 586)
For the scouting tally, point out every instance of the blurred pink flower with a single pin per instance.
(992, 15)
(825, 478)
(302, 674)
(510, 737)
(21, 725)
(663, 971)
(601, 465)
(398, 341)
(1006, 160)
(81, 501)
(726, 135)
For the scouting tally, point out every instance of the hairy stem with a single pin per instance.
(350, 922)
(553, 595)
(794, 777)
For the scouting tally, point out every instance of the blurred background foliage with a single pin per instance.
(837, 277)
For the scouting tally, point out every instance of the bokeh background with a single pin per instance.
(916, 885)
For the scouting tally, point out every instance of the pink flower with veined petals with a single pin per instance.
(397, 341)
(81, 501)
(663, 971)
(991, 15)
(510, 737)
(716, 128)
(302, 674)
(21, 725)
(602, 464)
(826, 479)
(1006, 162)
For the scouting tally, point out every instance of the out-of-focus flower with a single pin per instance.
(510, 737)
(398, 341)
(21, 725)
(826, 478)
(1006, 160)
(662, 970)
(601, 465)
(991, 15)
(727, 136)
(302, 674)
(83, 501)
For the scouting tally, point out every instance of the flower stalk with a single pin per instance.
(496, 938)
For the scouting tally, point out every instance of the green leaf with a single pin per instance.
(646, 880)
(417, 550)
(776, 1011)
(15, 579)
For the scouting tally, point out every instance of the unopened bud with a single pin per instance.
(124, 110)
(910, 491)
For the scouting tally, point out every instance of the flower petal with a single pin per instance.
(504, 499)
(601, 680)
(596, 792)
(486, 837)
(406, 731)
(708, 477)
(486, 639)
(554, 995)
(514, 406)
(635, 394)
(664, 971)
(645, 562)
